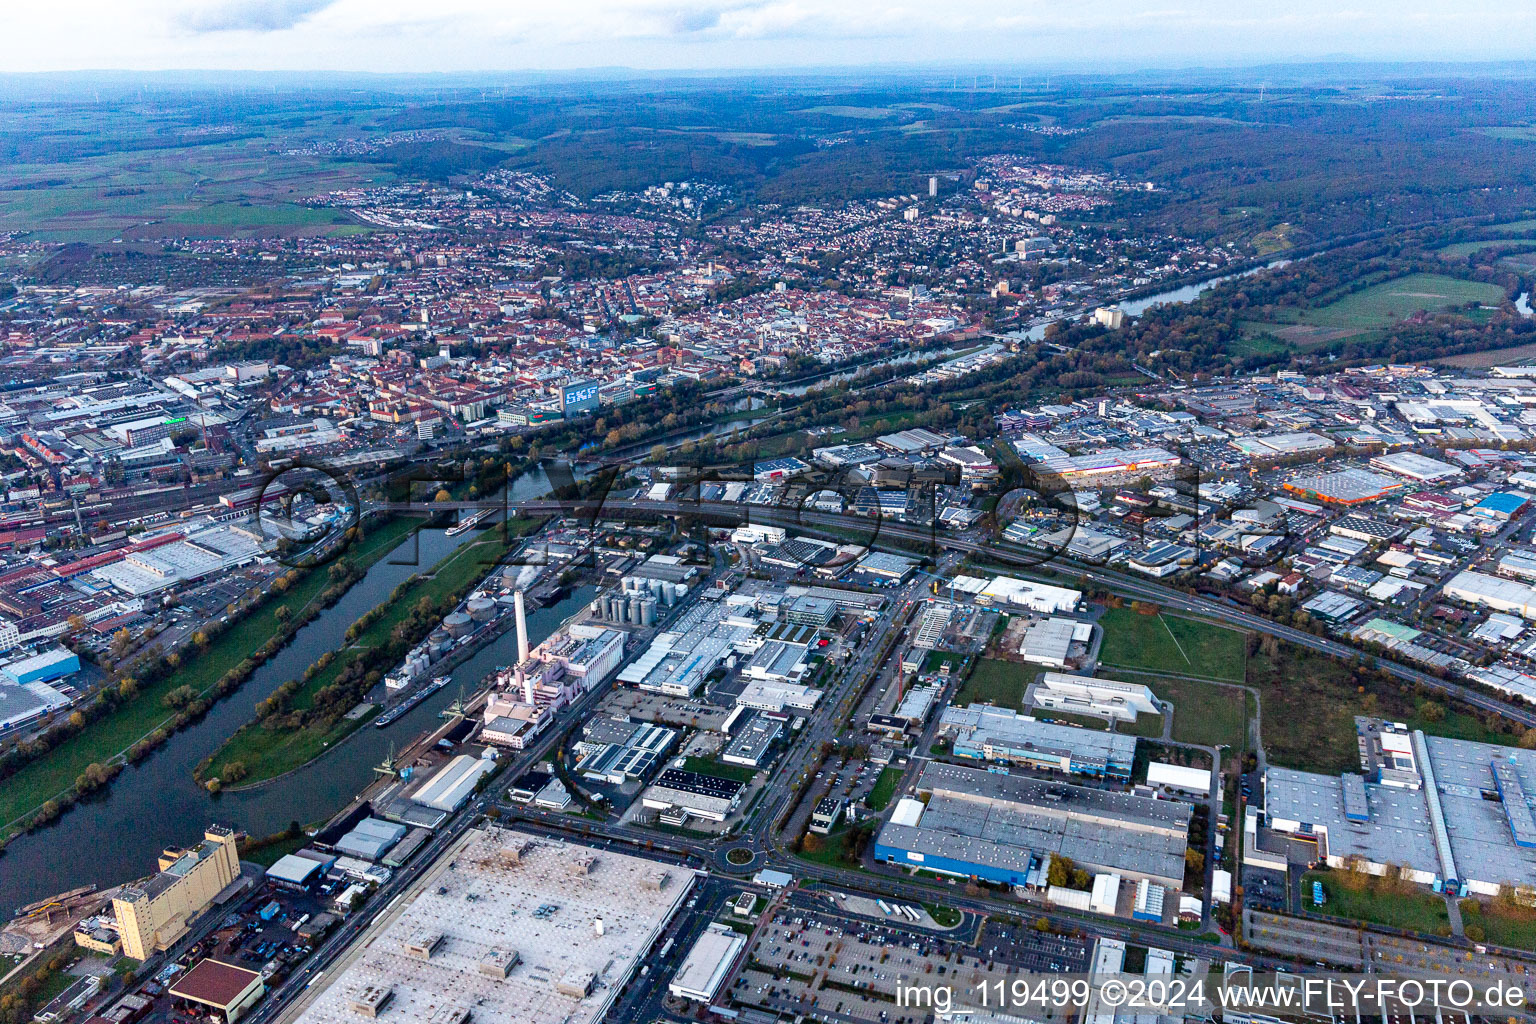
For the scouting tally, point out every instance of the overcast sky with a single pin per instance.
(509, 35)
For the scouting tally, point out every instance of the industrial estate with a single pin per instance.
(524, 579)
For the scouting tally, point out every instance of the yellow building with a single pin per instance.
(153, 914)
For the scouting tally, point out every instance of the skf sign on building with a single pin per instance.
(580, 397)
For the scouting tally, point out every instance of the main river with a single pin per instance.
(118, 835)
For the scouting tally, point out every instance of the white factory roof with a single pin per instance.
(1191, 780)
(505, 892)
(1040, 597)
(454, 782)
(707, 963)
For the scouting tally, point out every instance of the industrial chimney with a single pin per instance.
(522, 628)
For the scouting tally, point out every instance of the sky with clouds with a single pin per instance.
(515, 35)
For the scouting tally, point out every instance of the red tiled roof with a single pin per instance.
(214, 982)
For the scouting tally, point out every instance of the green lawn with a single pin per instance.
(944, 917)
(719, 769)
(832, 847)
(1502, 923)
(884, 789)
(938, 659)
(268, 854)
(1394, 905)
(1171, 644)
(267, 753)
(109, 737)
(1204, 713)
(996, 682)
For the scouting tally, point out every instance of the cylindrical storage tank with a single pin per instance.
(615, 608)
(481, 609)
(458, 624)
(648, 613)
(635, 604)
(597, 608)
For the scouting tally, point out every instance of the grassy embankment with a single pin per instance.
(109, 737)
(265, 753)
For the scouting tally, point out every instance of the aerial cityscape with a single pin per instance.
(743, 531)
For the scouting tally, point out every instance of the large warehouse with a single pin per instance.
(1492, 592)
(507, 928)
(987, 733)
(1344, 486)
(1449, 813)
(1005, 828)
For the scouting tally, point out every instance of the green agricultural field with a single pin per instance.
(858, 113)
(1394, 905)
(230, 186)
(1171, 645)
(249, 215)
(1389, 302)
(1468, 248)
(109, 737)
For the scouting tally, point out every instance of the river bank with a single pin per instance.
(263, 748)
(120, 734)
(156, 803)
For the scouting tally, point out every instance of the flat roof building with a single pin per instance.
(1493, 592)
(1003, 735)
(1037, 597)
(572, 922)
(763, 695)
(1416, 467)
(1108, 699)
(1049, 641)
(1344, 486)
(708, 963)
(1450, 813)
(47, 667)
(754, 738)
(704, 796)
(153, 914)
(1002, 827)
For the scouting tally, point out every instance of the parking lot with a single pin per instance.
(845, 969)
(1030, 950)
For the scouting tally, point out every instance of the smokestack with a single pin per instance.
(522, 628)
